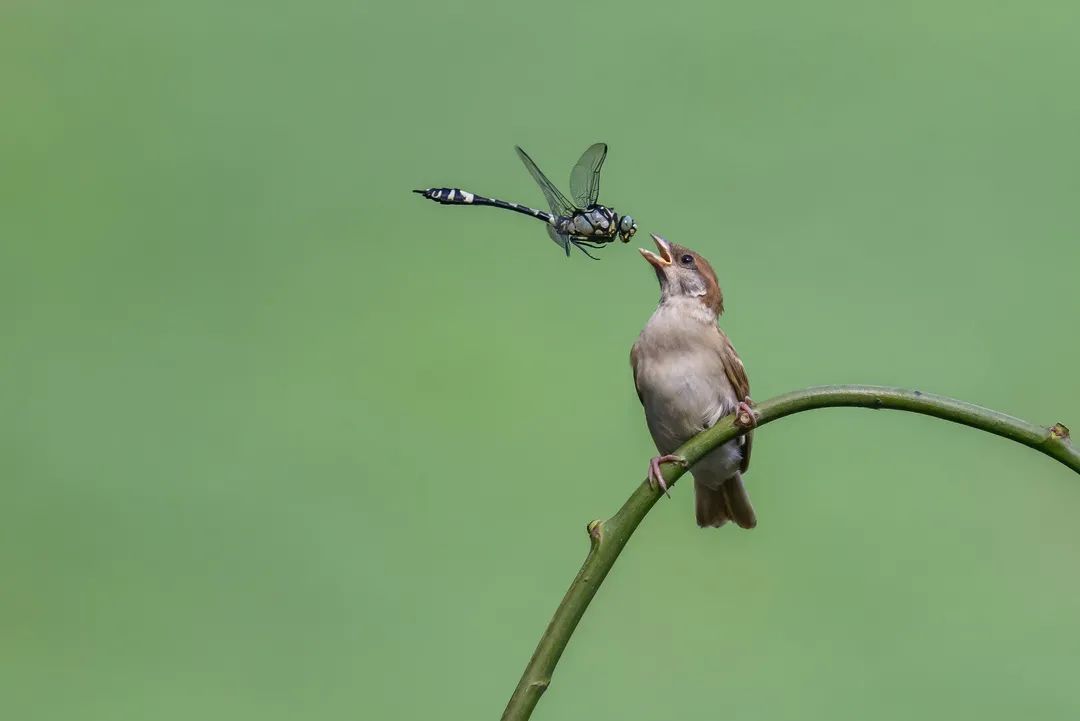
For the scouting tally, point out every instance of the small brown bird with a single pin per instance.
(688, 376)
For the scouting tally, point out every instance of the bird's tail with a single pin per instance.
(729, 502)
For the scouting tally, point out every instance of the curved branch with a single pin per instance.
(607, 538)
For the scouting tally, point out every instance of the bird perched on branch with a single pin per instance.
(688, 376)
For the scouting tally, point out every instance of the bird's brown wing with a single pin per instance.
(633, 367)
(733, 367)
(736, 374)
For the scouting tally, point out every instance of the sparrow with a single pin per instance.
(688, 376)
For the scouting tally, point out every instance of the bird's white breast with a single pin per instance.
(680, 374)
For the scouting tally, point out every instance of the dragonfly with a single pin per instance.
(581, 224)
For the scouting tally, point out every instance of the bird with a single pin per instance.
(688, 376)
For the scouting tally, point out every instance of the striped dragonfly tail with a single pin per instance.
(457, 196)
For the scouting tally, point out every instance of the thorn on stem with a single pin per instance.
(540, 685)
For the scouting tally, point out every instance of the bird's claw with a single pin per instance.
(745, 416)
(656, 476)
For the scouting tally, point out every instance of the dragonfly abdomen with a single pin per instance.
(457, 196)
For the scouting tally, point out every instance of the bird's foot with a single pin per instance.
(656, 477)
(745, 415)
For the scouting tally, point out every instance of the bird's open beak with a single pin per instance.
(658, 261)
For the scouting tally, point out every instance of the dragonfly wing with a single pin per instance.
(585, 177)
(561, 239)
(557, 202)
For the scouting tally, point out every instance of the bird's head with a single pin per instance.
(684, 273)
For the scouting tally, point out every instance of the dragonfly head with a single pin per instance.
(627, 228)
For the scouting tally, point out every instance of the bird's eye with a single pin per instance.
(686, 259)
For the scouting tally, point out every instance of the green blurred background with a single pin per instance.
(282, 440)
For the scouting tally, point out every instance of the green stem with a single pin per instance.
(607, 538)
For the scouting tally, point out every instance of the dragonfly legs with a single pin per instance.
(583, 244)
